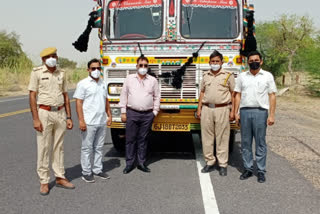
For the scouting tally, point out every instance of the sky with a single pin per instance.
(46, 23)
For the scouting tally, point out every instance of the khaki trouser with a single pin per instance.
(215, 125)
(50, 144)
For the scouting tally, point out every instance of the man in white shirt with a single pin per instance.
(92, 108)
(255, 96)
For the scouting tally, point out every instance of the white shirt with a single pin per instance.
(255, 89)
(94, 95)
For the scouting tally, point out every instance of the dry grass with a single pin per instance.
(15, 81)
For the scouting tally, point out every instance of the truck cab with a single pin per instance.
(168, 33)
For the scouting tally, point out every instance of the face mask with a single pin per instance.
(51, 62)
(142, 71)
(215, 67)
(254, 65)
(95, 74)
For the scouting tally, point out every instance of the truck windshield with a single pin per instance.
(134, 19)
(210, 19)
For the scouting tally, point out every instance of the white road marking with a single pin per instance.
(208, 196)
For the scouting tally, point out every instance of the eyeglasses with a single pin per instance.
(143, 65)
(95, 68)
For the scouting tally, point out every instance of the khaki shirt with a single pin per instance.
(49, 86)
(215, 87)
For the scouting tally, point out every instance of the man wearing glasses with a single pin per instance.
(140, 103)
(92, 108)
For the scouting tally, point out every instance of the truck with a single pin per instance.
(177, 37)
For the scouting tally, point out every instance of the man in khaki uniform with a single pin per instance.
(214, 111)
(50, 107)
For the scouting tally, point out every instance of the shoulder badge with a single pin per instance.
(227, 78)
(39, 68)
(205, 73)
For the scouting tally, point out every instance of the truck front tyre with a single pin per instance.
(118, 139)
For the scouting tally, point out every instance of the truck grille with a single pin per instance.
(188, 90)
(117, 74)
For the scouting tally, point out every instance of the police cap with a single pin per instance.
(48, 51)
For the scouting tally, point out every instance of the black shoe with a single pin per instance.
(207, 168)
(88, 178)
(143, 168)
(102, 175)
(261, 177)
(245, 175)
(223, 171)
(128, 169)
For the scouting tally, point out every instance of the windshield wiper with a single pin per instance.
(188, 18)
(115, 15)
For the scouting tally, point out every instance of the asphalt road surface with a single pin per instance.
(174, 185)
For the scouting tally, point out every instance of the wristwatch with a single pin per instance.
(68, 118)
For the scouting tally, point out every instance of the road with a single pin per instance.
(173, 186)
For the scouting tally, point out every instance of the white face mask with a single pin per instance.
(142, 71)
(95, 74)
(215, 67)
(51, 62)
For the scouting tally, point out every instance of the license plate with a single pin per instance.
(170, 127)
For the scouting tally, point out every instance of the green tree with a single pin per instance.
(11, 54)
(281, 40)
(309, 57)
(274, 60)
(295, 34)
(66, 63)
(309, 60)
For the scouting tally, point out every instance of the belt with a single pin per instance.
(248, 108)
(51, 108)
(146, 111)
(216, 105)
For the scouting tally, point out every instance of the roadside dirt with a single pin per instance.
(8, 93)
(296, 134)
(24, 91)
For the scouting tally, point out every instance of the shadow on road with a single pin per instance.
(75, 172)
(113, 153)
(164, 146)
(235, 159)
(176, 146)
(170, 146)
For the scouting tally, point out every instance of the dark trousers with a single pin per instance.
(137, 129)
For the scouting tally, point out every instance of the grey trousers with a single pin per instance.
(254, 125)
(92, 148)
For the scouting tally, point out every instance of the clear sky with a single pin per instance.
(43, 23)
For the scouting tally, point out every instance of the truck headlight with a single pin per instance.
(116, 112)
(115, 88)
